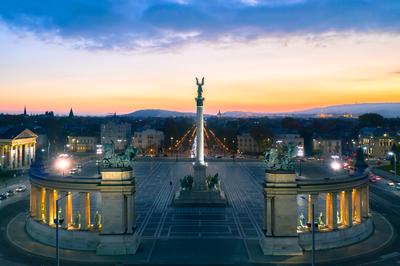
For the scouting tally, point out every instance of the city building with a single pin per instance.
(148, 141)
(376, 142)
(293, 139)
(327, 147)
(17, 148)
(117, 133)
(247, 144)
(82, 143)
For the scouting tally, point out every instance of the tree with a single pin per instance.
(262, 135)
(371, 120)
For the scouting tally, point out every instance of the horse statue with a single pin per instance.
(113, 160)
(281, 158)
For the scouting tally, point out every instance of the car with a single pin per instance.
(10, 193)
(397, 186)
(218, 156)
(373, 180)
(20, 188)
(98, 162)
(78, 165)
(391, 183)
(378, 178)
(73, 171)
(3, 196)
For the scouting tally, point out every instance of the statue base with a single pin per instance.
(280, 246)
(200, 199)
(118, 244)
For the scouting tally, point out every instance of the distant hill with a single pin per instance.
(157, 113)
(389, 110)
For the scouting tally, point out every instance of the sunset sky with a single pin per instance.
(256, 55)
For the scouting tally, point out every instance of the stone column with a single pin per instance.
(33, 201)
(334, 211)
(328, 209)
(34, 151)
(20, 156)
(131, 213)
(268, 216)
(50, 206)
(11, 155)
(68, 211)
(365, 199)
(63, 207)
(40, 204)
(359, 204)
(1, 156)
(84, 210)
(349, 207)
(312, 198)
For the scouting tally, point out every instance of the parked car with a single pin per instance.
(20, 188)
(398, 186)
(10, 193)
(3, 196)
(391, 183)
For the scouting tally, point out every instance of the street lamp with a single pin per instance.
(312, 231)
(62, 164)
(395, 163)
(58, 221)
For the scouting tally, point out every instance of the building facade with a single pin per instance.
(82, 143)
(148, 141)
(292, 139)
(376, 142)
(327, 147)
(117, 133)
(247, 144)
(17, 148)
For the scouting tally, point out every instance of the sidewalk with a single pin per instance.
(382, 236)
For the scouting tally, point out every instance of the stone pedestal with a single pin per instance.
(118, 235)
(280, 222)
(199, 177)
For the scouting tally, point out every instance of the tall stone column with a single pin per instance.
(199, 165)
(268, 215)
(40, 204)
(328, 210)
(63, 207)
(50, 206)
(11, 156)
(334, 211)
(349, 207)
(20, 156)
(84, 209)
(131, 213)
(33, 201)
(359, 204)
(365, 201)
(312, 198)
(68, 211)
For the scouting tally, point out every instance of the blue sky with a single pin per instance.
(257, 55)
(142, 24)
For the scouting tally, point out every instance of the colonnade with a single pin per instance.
(43, 207)
(17, 155)
(342, 208)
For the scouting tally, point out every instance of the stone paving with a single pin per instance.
(157, 218)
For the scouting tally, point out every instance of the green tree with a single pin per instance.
(371, 120)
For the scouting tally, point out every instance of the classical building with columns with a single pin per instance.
(106, 225)
(341, 210)
(17, 148)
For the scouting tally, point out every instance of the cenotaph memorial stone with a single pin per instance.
(280, 195)
(200, 190)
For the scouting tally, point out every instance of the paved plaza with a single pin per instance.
(157, 218)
